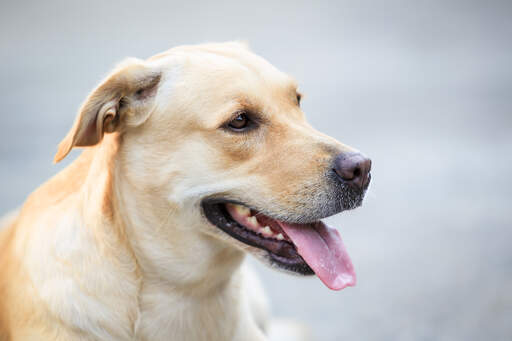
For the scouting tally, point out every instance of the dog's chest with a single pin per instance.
(168, 316)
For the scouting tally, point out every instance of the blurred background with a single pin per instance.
(422, 87)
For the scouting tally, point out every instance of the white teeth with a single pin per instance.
(253, 221)
(242, 210)
(266, 231)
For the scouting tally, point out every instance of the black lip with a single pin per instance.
(280, 252)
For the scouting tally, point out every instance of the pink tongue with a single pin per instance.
(322, 248)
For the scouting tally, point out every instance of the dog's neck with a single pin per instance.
(183, 275)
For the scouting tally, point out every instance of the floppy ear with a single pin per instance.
(125, 97)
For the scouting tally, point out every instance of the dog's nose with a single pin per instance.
(353, 169)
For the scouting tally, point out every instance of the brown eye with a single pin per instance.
(240, 122)
(299, 97)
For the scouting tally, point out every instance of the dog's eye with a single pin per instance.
(299, 97)
(240, 122)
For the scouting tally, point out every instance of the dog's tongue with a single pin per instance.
(322, 248)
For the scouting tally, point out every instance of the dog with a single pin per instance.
(191, 159)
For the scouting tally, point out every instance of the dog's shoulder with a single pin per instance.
(8, 219)
(6, 229)
(7, 223)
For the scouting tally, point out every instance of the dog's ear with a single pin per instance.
(124, 98)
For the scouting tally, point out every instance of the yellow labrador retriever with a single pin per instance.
(194, 158)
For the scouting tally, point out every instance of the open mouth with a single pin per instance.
(306, 249)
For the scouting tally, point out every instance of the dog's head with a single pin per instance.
(218, 133)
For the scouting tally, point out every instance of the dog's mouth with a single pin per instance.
(306, 249)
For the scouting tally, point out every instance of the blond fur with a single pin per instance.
(115, 247)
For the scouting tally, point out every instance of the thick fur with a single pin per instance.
(115, 247)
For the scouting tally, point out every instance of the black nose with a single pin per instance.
(353, 169)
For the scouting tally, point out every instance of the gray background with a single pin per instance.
(423, 87)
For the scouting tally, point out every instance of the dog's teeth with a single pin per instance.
(253, 221)
(266, 231)
(242, 210)
(280, 236)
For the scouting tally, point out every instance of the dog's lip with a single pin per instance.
(281, 252)
(219, 200)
